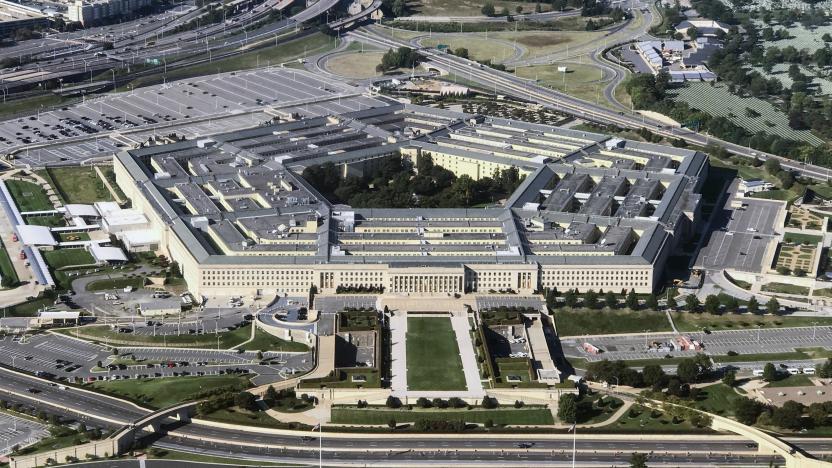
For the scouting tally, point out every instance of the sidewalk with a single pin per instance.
(466, 354)
(398, 366)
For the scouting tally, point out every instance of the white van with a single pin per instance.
(758, 372)
(793, 370)
(808, 370)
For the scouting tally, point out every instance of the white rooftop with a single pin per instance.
(107, 254)
(77, 209)
(66, 314)
(140, 237)
(35, 235)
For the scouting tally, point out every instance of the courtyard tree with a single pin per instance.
(591, 299)
(632, 300)
(691, 303)
(712, 304)
(769, 372)
(610, 300)
(568, 408)
(773, 306)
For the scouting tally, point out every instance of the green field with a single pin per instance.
(28, 196)
(762, 357)
(433, 361)
(264, 341)
(79, 184)
(29, 308)
(381, 415)
(7, 268)
(116, 283)
(160, 393)
(479, 48)
(799, 380)
(718, 399)
(640, 420)
(800, 238)
(48, 220)
(574, 322)
(785, 288)
(102, 333)
(580, 80)
(694, 322)
(61, 258)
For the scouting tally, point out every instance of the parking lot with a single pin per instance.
(741, 236)
(16, 431)
(73, 360)
(194, 107)
(716, 343)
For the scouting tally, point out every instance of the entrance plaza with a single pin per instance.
(433, 356)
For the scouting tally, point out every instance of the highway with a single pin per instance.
(544, 448)
(527, 89)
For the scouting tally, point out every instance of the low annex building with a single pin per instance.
(593, 212)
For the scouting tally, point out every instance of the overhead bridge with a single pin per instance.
(373, 11)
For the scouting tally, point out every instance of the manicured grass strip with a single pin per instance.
(686, 321)
(763, 358)
(433, 361)
(799, 238)
(381, 416)
(785, 288)
(160, 393)
(263, 341)
(61, 258)
(7, 268)
(47, 220)
(79, 184)
(799, 380)
(575, 322)
(28, 196)
(718, 399)
(103, 334)
(116, 283)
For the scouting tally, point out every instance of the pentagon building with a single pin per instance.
(592, 212)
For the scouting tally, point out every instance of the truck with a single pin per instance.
(22, 255)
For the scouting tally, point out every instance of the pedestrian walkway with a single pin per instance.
(398, 366)
(466, 353)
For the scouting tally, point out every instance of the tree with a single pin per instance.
(712, 304)
(391, 423)
(747, 410)
(610, 300)
(687, 370)
(753, 306)
(819, 413)
(671, 303)
(691, 303)
(246, 400)
(653, 374)
(632, 300)
(732, 304)
(730, 378)
(570, 298)
(489, 402)
(773, 306)
(519, 9)
(789, 416)
(652, 302)
(591, 299)
(568, 408)
(638, 460)
(488, 9)
(461, 52)
(769, 372)
(393, 402)
(824, 370)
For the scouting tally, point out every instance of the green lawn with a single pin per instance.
(798, 380)
(116, 283)
(718, 399)
(29, 308)
(165, 454)
(381, 415)
(433, 361)
(800, 238)
(686, 321)
(79, 184)
(785, 288)
(762, 357)
(61, 258)
(161, 393)
(639, 420)
(60, 438)
(102, 333)
(29, 105)
(48, 220)
(574, 322)
(240, 416)
(73, 236)
(28, 196)
(264, 341)
(6, 268)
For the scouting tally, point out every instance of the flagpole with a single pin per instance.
(320, 444)
(574, 438)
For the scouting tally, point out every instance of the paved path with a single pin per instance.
(398, 332)
(466, 352)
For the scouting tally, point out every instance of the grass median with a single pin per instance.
(161, 393)
(686, 321)
(576, 322)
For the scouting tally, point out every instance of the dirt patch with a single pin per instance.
(542, 40)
